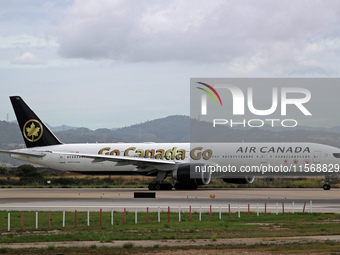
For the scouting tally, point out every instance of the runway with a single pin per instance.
(276, 200)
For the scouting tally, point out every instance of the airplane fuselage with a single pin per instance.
(70, 157)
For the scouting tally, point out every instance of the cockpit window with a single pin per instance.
(337, 155)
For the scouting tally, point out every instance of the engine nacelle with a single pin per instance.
(244, 180)
(182, 175)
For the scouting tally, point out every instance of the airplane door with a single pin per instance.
(264, 158)
(62, 159)
(316, 156)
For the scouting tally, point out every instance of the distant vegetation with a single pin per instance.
(28, 176)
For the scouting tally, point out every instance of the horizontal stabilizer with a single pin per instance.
(28, 153)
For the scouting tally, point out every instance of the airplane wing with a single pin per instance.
(163, 165)
(142, 163)
(130, 160)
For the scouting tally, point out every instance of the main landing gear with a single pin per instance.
(158, 183)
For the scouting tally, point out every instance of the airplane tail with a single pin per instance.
(34, 131)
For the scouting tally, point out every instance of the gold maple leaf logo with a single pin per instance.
(32, 130)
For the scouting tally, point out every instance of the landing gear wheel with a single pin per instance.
(160, 186)
(326, 186)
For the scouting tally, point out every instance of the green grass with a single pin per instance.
(327, 247)
(4, 250)
(271, 226)
(128, 245)
(93, 247)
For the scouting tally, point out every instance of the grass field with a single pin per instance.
(327, 247)
(272, 225)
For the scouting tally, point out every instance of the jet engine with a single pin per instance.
(182, 175)
(243, 180)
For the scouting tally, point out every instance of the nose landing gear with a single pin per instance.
(160, 186)
(326, 186)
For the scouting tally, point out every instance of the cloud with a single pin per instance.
(28, 59)
(27, 41)
(258, 34)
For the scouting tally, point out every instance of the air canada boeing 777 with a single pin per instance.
(169, 159)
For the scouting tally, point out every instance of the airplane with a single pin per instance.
(170, 159)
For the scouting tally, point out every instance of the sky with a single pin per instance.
(113, 63)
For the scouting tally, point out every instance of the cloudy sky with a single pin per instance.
(105, 64)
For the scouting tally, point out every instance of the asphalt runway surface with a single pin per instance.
(46, 199)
